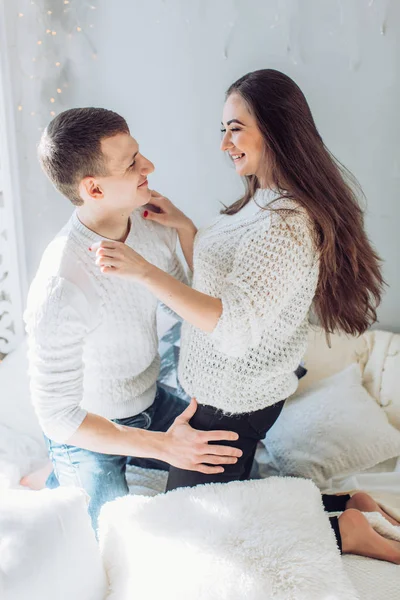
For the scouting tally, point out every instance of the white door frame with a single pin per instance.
(13, 278)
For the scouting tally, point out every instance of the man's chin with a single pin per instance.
(143, 197)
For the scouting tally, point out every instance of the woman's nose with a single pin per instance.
(225, 142)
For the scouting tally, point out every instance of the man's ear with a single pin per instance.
(89, 187)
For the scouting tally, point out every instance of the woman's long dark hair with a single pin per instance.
(301, 167)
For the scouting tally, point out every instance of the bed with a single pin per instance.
(22, 447)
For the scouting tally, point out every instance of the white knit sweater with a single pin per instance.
(265, 270)
(93, 343)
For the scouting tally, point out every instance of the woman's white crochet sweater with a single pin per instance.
(263, 265)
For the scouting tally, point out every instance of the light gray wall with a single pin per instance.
(165, 65)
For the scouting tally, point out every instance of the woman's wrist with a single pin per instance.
(187, 226)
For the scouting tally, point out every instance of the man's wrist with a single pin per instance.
(159, 446)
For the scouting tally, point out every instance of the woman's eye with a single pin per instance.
(233, 129)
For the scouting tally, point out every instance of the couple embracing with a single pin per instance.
(293, 242)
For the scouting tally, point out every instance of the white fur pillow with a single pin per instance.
(334, 428)
(258, 540)
(48, 548)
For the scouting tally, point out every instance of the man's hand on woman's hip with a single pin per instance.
(188, 448)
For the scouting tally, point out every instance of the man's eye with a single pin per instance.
(133, 164)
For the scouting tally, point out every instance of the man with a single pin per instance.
(92, 338)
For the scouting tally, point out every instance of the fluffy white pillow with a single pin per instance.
(334, 428)
(16, 410)
(262, 540)
(48, 548)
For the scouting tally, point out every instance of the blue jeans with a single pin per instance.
(102, 476)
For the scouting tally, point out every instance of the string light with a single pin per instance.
(48, 53)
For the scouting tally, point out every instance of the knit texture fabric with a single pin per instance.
(93, 343)
(263, 265)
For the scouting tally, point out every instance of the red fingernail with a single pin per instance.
(146, 212)
(90, 249)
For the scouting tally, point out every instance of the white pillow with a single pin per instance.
(323, 361)
(381, 372)
(334, 428)
(259, 540)
(16, 410)
(48, 548)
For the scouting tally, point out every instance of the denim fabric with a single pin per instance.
(102, 476)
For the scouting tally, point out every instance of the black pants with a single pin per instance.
(251, 427)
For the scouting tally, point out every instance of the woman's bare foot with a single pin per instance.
(37, 479)
(363, 502)
(358, 537)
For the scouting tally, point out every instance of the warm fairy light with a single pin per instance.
(39, 56)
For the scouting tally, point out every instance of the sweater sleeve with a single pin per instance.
(57, 319)
(175, 269)
(269, 268)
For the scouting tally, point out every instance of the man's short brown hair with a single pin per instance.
(70, 147)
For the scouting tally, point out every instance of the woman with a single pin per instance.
(295, 240)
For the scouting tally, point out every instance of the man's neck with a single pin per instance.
(111, 226)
